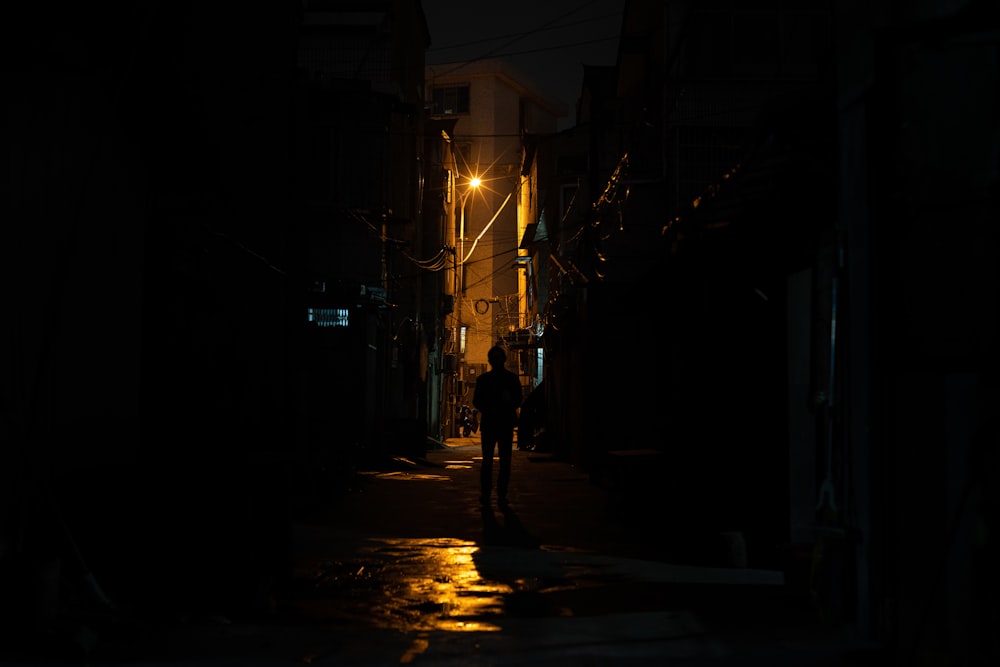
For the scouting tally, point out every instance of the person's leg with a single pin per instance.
(486, 467)
(505, 443)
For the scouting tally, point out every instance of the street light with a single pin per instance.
(459, 289)
(474, 183)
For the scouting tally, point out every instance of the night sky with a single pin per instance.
(549, 41)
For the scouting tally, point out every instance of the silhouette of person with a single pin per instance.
(497, 397)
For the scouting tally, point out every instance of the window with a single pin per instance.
(328, 317)
(750, 38)
(463, 153)
(756, 43)
(450, 100)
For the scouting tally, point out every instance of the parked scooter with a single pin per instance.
(468, 420)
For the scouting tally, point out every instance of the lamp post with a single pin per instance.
(460, 278)
(459, 290)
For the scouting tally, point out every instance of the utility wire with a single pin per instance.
(540, 49)
(489, 224)
(519, 35)
(556, 48)
(436, 263)
(510, 250)
(518, 38)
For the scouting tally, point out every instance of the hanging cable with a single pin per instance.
(518, 38)
(488, 225)
(436, 263)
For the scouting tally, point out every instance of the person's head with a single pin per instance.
(496, 356)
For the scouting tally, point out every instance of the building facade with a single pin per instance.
(493, 200)
(800, 259)
(358, 227)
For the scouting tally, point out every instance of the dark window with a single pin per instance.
(571, 165)
(451, 100)
(756, 43)
(317, 163)
(463, 153)
(708, 50)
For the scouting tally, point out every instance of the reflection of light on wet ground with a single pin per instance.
(443, 578)
(425, 584)
(411, 474)
(406, 475)
(450, 597)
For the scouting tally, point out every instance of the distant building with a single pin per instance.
(494, 107)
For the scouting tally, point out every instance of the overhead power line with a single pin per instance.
(495, 51)
(519, 35)
(560, 46)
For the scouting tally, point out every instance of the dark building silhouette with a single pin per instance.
(776, 290)
(198, 199)
(763, 269)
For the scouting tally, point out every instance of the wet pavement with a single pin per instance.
(407, 568)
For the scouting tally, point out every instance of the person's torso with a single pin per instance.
(498, 394)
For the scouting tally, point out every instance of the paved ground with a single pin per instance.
(406, 567)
